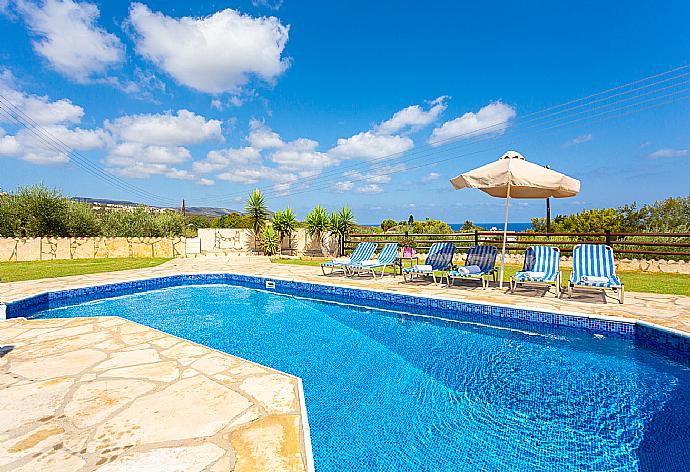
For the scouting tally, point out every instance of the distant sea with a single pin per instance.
(499, 226)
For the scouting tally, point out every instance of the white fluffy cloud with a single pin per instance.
(47, 146)
(413, 117)
(668, 152)
(272, 4)
(42, 148)
(431, 176)
(214, 54)
(370, 181)
(262, 137)
(69, 37)
(369, 188)
(245, 175)
(301, 155)
(205, 182)
(343, 186)
(40, 109)
(583, 138)
(221, 159)
(154, 144)
(382, 141)
(371, 145)
(166, 129)
(9, 146)
(493, 118)
(139, 161)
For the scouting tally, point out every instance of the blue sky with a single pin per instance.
(374, 105)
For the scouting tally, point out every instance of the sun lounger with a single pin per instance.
(362, 252)
(386, 257)
(439, 258)
(480, 264)
(542, 266)
(594, 268)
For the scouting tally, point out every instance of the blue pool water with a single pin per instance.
(396, 392)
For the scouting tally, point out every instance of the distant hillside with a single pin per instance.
(211, 212)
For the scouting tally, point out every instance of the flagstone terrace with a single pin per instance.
(108, 394)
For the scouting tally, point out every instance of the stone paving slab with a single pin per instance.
(106, 394)
(672, 311)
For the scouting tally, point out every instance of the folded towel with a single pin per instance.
(594, 279)
(534, 275)
(469, 270)
(370, 262)
(342, 260)
(423, 267)
(473, 269)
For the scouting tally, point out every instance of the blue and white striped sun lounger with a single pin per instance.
(362, 252)
(386, 257)
(439, 258)
(593, 267)
(542, 266)
(482, 256)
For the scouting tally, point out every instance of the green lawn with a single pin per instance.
(14, 271)
(651, 282)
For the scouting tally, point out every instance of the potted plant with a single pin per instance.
(409, 246)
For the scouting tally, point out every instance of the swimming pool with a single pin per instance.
(397, 392)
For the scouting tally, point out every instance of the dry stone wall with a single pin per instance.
(46, 249)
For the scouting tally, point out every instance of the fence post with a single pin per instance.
(608, 237)
(476, 237)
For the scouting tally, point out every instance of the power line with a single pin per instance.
(482, 131)
(499, 146)
(55, 144)
(539, 121)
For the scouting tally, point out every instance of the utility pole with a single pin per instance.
(548, 213)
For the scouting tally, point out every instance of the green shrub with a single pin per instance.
(82, 221)
(317, 222)
(169, 224)
(269, 244)
(388, 224)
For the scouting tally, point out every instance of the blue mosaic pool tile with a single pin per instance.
(454, 310)
(674, 344)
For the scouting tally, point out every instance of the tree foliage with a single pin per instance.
(285, 223)
(468, 226)
(269, 242)
(341, 224)
(38, 211)
(317, 222)
(669, 215)
(256, 210)
(431, 227)
(233, 220)
(388, 224)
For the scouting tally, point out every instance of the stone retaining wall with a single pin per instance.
(228, 241)
(46, 249)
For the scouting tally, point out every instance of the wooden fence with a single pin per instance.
(631, 245)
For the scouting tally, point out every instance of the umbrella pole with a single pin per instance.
(505, 231)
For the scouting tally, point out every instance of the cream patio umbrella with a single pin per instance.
(513, 177)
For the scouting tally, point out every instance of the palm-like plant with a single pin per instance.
(317, 222)
(256, 211)
(285, 223)
(341, 225)
(270, 241)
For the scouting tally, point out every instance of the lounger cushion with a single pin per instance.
(459, 274)
(535, 276)
(613, 281)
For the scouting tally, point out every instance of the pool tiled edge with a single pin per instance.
(668, 340)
